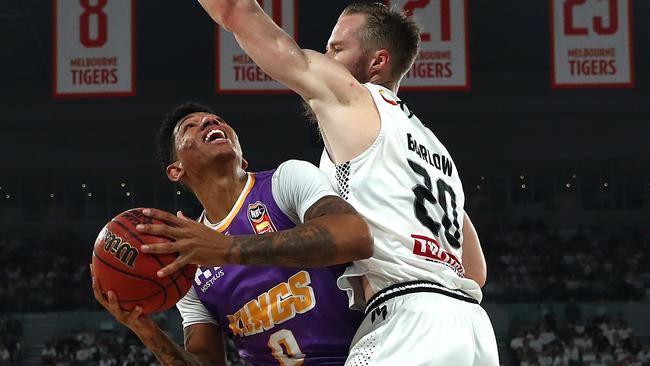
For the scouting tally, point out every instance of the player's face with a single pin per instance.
(204, 136)
(345, 47)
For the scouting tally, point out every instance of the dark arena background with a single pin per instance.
(557, 179)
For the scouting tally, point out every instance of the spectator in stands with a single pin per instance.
(48, 354)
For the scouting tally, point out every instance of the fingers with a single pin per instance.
(160, 248)
(180, 215)
(172, 267)
(163, 216)
(97, 291)
(134, 315)
(159, 230)
(111, 303)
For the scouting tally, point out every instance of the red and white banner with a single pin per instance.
(93, 47)
(591, 43)
(443, 60)
(238, 73)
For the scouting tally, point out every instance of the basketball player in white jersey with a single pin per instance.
(421, 288)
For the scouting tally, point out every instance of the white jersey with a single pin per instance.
(407, 187)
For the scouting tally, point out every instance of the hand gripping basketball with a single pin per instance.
(121, 266)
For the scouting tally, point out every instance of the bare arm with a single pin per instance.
(473, 259)
(274, 50)
(204, 346)
(203, 342)
(333, 233)
(344, 108)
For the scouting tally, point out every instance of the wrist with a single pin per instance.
(232, 251)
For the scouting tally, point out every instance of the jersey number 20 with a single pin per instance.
(424, 193)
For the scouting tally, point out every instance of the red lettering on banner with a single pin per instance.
(430, 70)
(592, 67)
(242, 59)
(571, 30)
(84, 24)
(613, 20)
(445, 18)
(250, 73)
(94, 77)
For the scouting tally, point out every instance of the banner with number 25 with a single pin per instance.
(93, 47)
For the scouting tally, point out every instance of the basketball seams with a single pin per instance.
(121, 271)
(154, 256)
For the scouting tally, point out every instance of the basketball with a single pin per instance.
(119, 265)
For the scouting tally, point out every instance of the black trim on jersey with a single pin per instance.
(405, 288)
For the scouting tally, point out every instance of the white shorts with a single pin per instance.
(423, 323)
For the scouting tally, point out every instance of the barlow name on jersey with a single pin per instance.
(440, 162)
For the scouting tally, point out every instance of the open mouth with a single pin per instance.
(215, 136)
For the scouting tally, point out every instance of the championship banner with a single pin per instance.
(238, 73)
(443, 60)
(591, 43)
(94, 47)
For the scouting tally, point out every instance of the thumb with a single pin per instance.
(180, 215)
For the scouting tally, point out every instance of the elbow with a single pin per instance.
(478, 276)
(481, 278)
(364, 242)
(232, 16)
(481, 281)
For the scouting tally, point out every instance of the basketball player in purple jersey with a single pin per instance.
(288, 312)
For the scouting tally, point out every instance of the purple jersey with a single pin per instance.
(276, 315)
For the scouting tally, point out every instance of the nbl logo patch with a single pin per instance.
(258, 215)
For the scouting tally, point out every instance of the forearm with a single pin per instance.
(170, 353)
(272, 49)
(324, 241)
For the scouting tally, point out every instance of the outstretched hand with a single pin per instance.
(195, 242)
(140, 324)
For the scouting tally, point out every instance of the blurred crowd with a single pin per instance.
(11, 331)
(603, 340)
(526, 263)
(530, 263)
(106, 348)
(45, 276)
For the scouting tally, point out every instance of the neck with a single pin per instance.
(388, 83)
(218, 190)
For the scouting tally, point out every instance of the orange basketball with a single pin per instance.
(120, 265)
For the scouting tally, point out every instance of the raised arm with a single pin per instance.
(306, 72)
(344, 108)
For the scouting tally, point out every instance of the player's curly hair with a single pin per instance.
(165, 139)
(390, 29)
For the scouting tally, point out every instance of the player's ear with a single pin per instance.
(175, 171)
(380, 60)
(244, 163)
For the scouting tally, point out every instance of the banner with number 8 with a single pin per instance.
(94, 47)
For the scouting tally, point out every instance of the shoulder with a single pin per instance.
(295, 167)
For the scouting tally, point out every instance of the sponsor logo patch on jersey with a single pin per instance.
(258, 215)
(433, 252)
(205, 277)
(387, 97)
